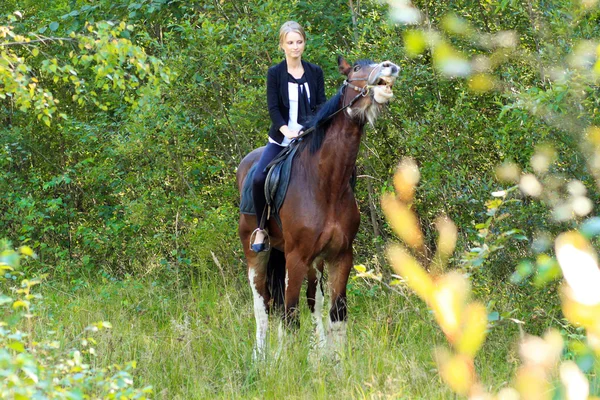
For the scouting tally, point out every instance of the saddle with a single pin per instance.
(276, 184)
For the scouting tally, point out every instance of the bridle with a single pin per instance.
(362, 92)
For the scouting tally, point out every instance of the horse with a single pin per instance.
(319, 216)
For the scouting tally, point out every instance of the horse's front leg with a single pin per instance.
(314, 297)
(338, 314)
(296, 268)
(257, 277)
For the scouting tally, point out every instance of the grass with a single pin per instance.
(195, 342)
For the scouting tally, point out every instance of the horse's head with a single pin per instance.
(368, 87)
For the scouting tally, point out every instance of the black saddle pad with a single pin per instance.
(276, 185)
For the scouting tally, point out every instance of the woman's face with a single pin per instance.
(293, 45)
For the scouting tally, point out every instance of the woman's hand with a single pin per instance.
(288, 133)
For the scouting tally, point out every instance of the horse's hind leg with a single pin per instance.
(257, 277)
(314, 296)
(276, 279)
(338, 315)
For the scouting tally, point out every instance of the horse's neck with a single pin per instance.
(337, 156)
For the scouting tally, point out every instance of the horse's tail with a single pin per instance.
(276, 279)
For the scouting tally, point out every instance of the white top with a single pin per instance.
(293, 124)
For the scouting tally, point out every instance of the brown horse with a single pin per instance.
(319, 215)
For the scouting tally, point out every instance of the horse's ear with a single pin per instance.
(343, 66)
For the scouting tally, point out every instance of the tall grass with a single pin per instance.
(195, 342)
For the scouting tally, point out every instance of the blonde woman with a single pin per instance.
(295, 88)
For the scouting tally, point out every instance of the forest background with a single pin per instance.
(121, 126)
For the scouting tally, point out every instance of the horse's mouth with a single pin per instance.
(383, 89)
(385, 83)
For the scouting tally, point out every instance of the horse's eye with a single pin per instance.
(356, 68)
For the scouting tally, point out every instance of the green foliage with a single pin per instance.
(99, 60)
(33, 364)
(122, 123)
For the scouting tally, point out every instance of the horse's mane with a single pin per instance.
(320, 121)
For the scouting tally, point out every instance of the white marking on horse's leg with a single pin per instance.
(317, 315)
(287, 279)
(336, 335)
(261, 316)
(281, 338)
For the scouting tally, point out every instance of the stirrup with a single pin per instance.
(259, 247)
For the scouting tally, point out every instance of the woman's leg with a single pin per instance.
(258, 185)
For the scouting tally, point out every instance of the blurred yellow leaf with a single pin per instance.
(542, 352)
(574, 381)
(580, 314)
(592, 134)
(448, 234)
(508, 172)
(579, 264)
(414, 42)
(406, 178)
(20, 303)
(416, 277)
(481, 83)
(597, 67)
(26, 250)
(17, 346)
(403, 220)
(473, 332)
(450, 61)
(455, 25)
(593, 339)
(448, 302)
(508, 394)
(360, 268)
(457, 371)
(532, 383)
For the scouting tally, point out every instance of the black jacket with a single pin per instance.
(278, 97)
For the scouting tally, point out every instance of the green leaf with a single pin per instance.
(20, 303)
(591, 227)
(493, 316)
(524, 269)
(54, 26)
(547, 270)
(17, 346)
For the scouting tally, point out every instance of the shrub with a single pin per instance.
(36, 365)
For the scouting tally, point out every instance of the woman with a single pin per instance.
(295, 88)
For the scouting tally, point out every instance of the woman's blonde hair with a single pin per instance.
(290, 26)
